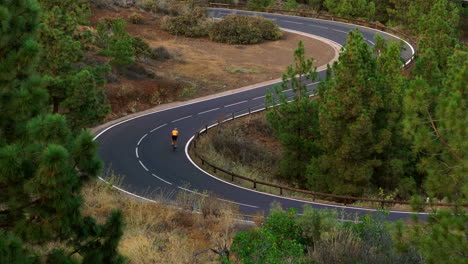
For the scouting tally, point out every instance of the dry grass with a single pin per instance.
(225, 66)
(244, 147)
(159, 233)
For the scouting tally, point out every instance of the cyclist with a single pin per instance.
(174, 135)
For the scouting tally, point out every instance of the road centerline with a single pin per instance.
(241, 102)
(292, 22)
(158, 128)
(180, 119)
(207, 111)
(139, 141)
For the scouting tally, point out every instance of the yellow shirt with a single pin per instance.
(175, 132)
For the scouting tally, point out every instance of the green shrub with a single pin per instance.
(142, 48)
(119, 45)
(135, 18)
(190, 25)
(242, 29)
(160, 54)
(290, 5)
(261, 3)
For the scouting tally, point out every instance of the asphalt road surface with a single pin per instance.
(139, 149)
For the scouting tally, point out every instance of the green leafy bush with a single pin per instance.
(160, 54)
(119, 45)
(261, 3)
(142, 48)
(242, 29)
(290, 5)
(191, 25)
(135, 18)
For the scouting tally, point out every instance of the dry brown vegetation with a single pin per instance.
(225, 66)
(159, 233)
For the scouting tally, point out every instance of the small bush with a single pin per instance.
(290, 5)
(261, 3)
(142, 48)
(242, 29)
(160, 54)
(190, 25)
(135, 18)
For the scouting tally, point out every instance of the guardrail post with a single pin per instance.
(382, 204)
(249, 110)
(313, 197)
(206, 129)
(281, 191)
(232, 177)
(202, 162)
(255, 184)
(214, 168)
(232, 115)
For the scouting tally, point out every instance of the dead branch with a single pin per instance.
(442, 139)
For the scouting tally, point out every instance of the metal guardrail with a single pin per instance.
(359, 22)
(341, 199)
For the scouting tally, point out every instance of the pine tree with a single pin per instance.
(84, 99)
(439, 31)
(349, 102)
(61, 52)
(408, 12)
(295, 123)
(119, 44)
(442, 239)
(435, 119)
(395, 153)
(43, 165)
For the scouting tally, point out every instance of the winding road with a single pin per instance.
(139, 149)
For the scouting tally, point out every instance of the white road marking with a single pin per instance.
(207, 111)
(356, 209)
(161, 179)
(263, 96)
(157, 128)
(181, 119)
(192, 191)
(141, 163)
(216, 97)
(136, 152)
(318, 26)
(235, 104)
(370, 42)
(292, 22)
(310, 84)
(341, 31)
(248, 205)
(139, 141)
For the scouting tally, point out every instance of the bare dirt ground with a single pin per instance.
(200, 67)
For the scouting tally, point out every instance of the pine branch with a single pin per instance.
(7, 211)
(442, 139)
